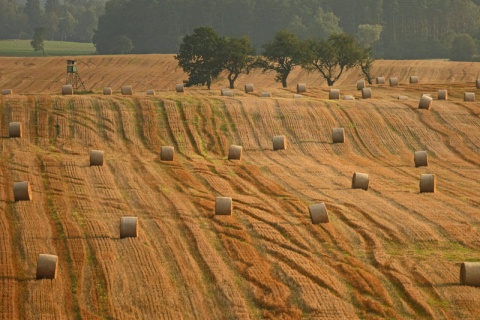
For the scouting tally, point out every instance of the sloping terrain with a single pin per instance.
(389, 252)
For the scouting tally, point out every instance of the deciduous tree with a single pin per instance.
(38, 38)
(237, 57)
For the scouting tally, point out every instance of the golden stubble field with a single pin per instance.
(389, 252)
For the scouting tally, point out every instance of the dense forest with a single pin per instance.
(403, 29)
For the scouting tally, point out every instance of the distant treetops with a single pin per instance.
(203, 55)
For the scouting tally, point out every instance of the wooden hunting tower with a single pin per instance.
(73, 76)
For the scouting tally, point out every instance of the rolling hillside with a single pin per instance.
(389, 252)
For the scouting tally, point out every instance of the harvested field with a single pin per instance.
(389, 252)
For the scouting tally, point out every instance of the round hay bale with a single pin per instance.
(470, 274)
(425, 102)
(477, 83)
(366, 93)
(22, 191)
(348, 97)
(266, 94)
(393, 82)
(279, 143)
(235, 152)
(442, 95)
(128, 227)
(226, 93)
(338, 135)
(249, 88)
(318, 213)
(420, 158)
(67, 90)
(47, 266)
(360, 181)
(413, 79)
(402, 98)
(96, 157)
(6, 92)
(427, 183)
(360, 84)
(297, 96)
(127, 90)
(380, 80)
(15, 130)
(179, 87)
(469, 97)
(223, 206)
(150, 92)
(334, 94)
(167, 153)
(301, 87)
(107, 91)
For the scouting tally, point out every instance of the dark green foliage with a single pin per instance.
(38, 38)
(463, 48)
(237, 56)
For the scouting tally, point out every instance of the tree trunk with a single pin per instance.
(284, 82)
(330, 82)
(232, 83)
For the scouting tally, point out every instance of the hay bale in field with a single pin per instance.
(360, 84)
(150, 92)
(425, 102)
(348, 97)
(413, 79)
(107, 91)
(128, 227)
(249, 88)
(6, 92)
(366, 93)
(469, 97)
(380, 80)
(235, 152)
(167, 153)
(279, 143)
(334, 94)
(427, 183)
(420, 158)
(223, 206)
(179, 87)
(297, 96)
(402, 98)
(338, 135)
(67, 90)
(127, 90)
(15, 130)
(266, 94)
(22, 191)
(96, 157)
(360, 181)
(301, 87)
(470, 274)
(47, 266)
(393, 82)
(318, 213)
(442, 95)
(226, 93)
(477, 83)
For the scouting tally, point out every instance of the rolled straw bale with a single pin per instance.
(128, 227)
(477, 83)
(470, 274)
(348, 97)
(469, 97)
(167, 153)
(266, 94)
(425, 102)
(179, 88)
(226, 93)
(420, 158)
(297, 96)
(235, 152)
(360, 84)
(427, 183)
(402, 98)
(334, 94)
(22, 191)
(413, 79)
(6, 92)
(338, 135)
(96, 157)
(442, 95)
(67, 90)
(47, 266)
(380, 80)
(127, 90)
(301, 87)
(150, 92)
(223, 206)
(279, 143)
(393, 82)
(360, 181)
(366, 93)
(107, 91)
(318, 213)
(249, 88)
(15, 130)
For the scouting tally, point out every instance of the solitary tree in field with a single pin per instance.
(237, 56)
(38, 38)
(365, 62)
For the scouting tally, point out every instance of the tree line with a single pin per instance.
(204, 55)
